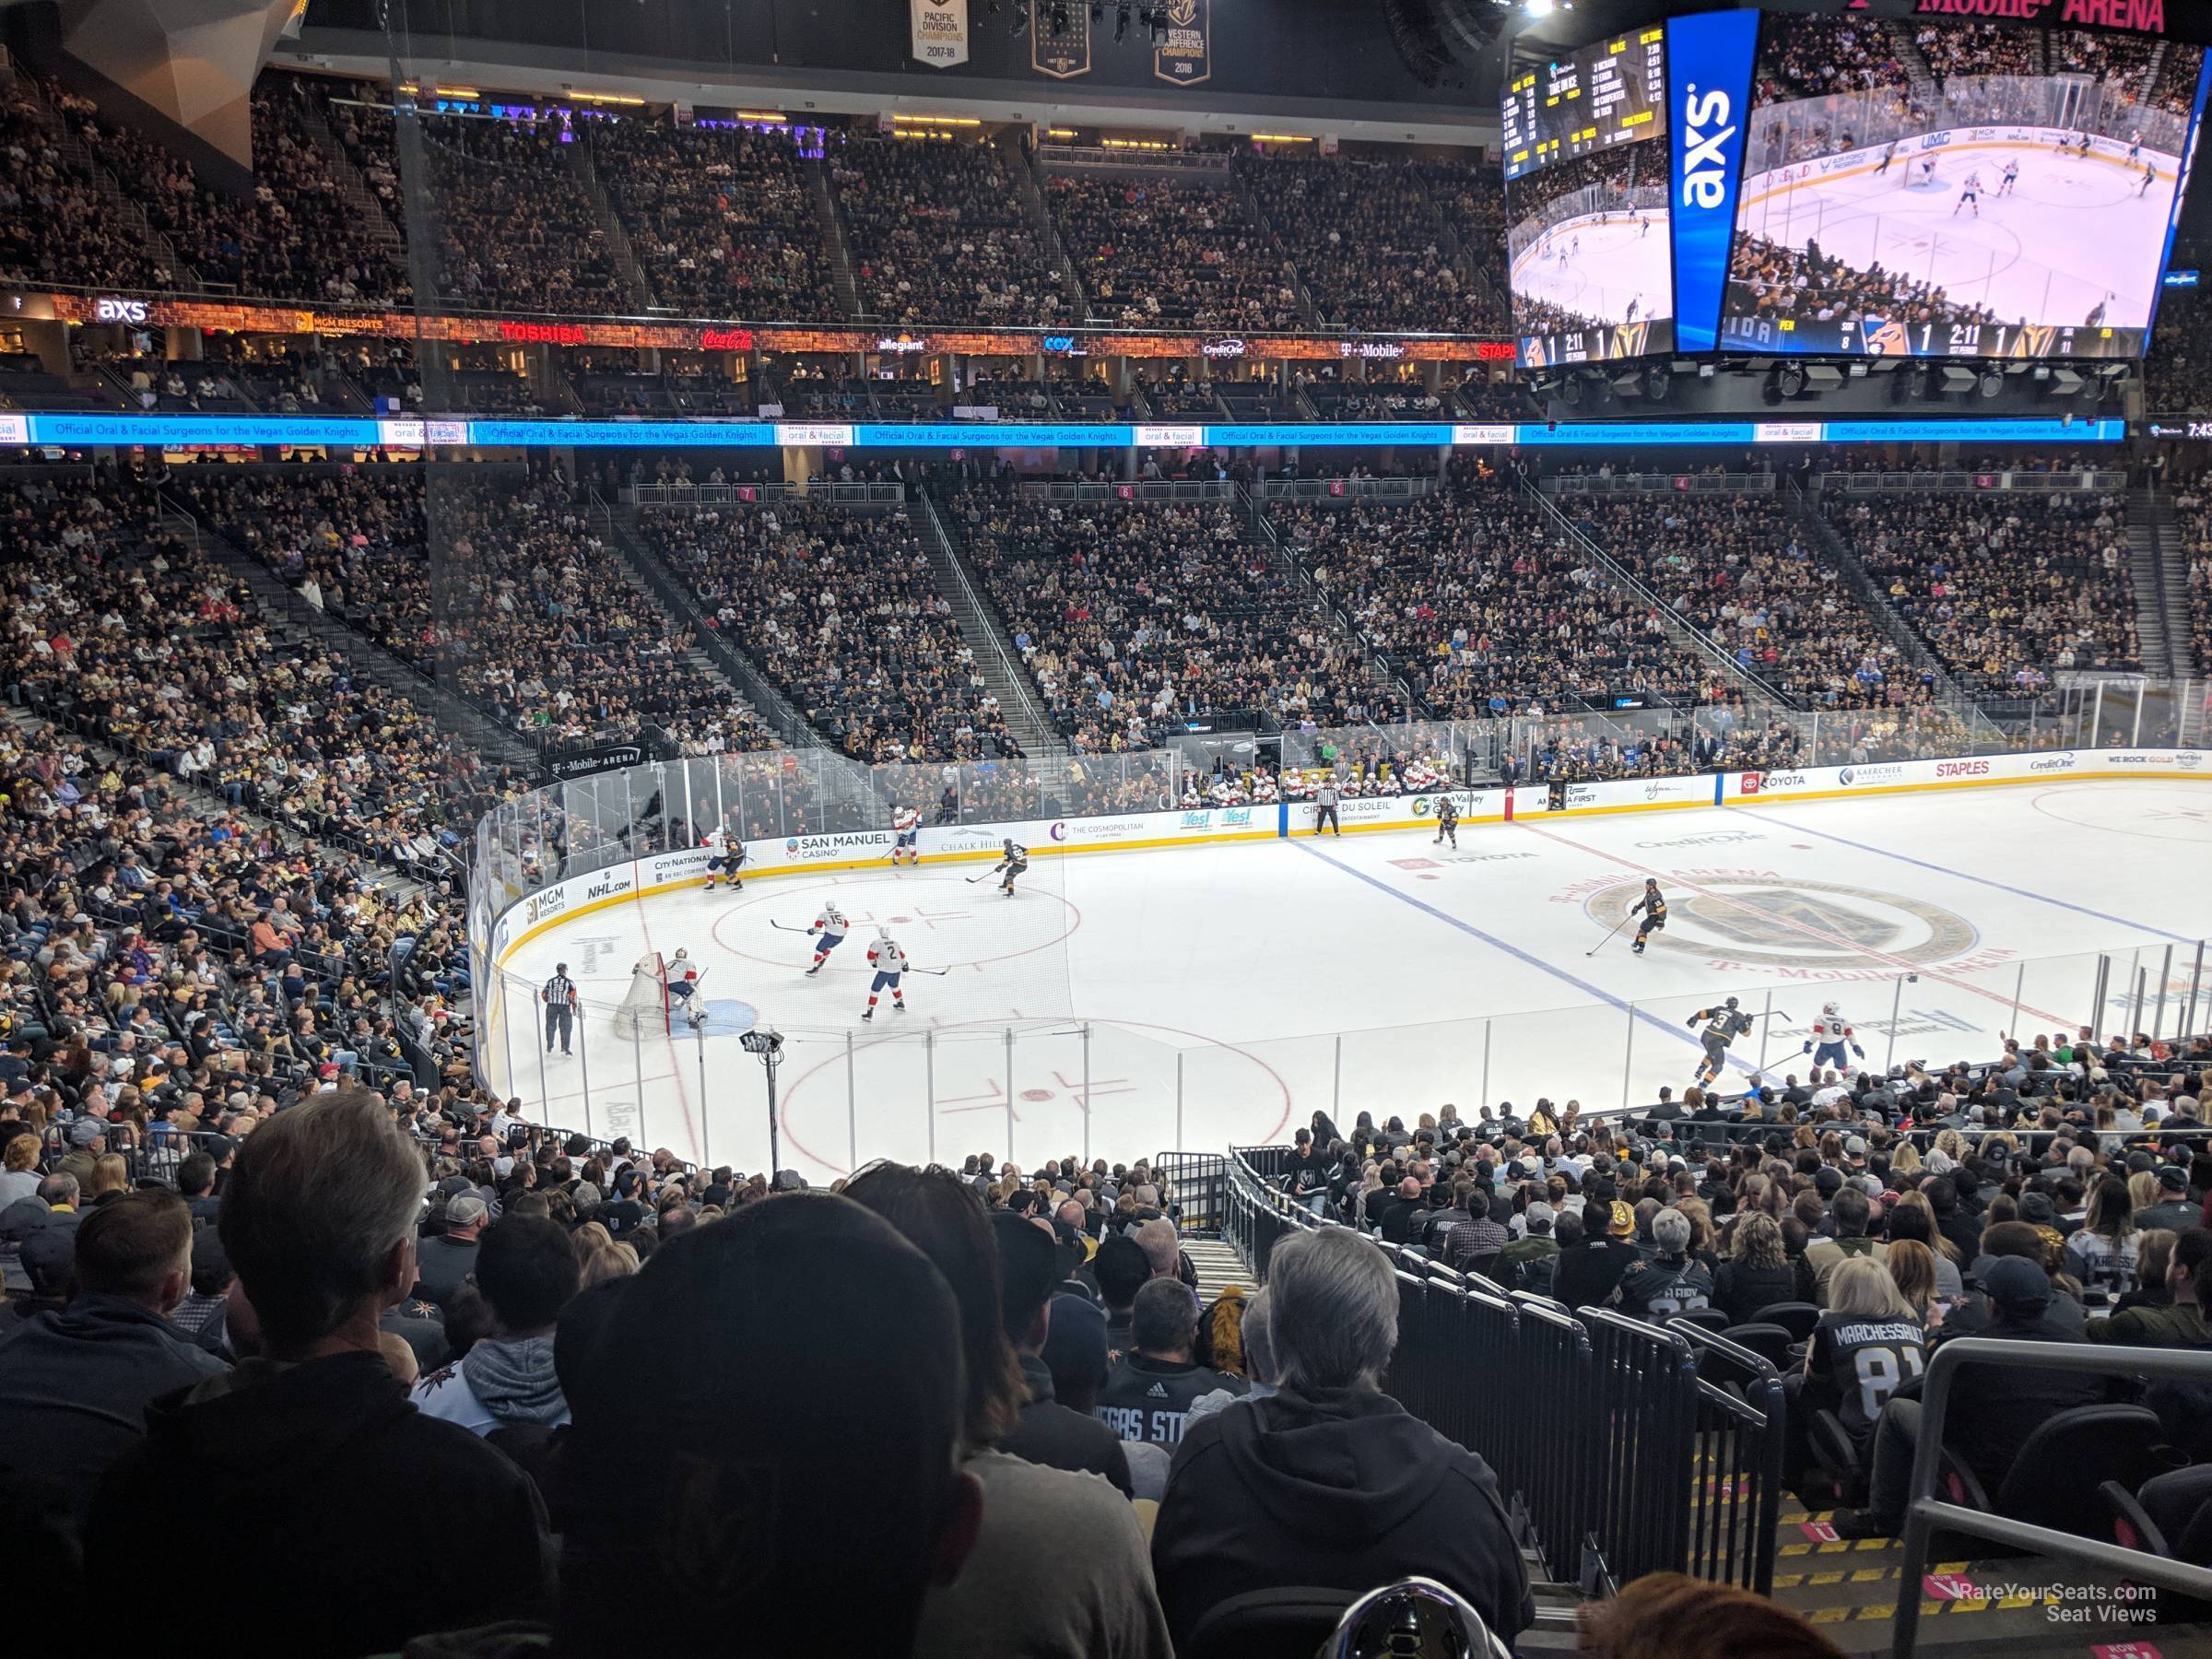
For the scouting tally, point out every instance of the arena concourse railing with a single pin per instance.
(591, 841)
(1622, 1448)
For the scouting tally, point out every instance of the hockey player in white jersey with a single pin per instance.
(683, 989)
(829, 929)
(889, 962)
(726, 856)
(1832, 1034)
(906, 826)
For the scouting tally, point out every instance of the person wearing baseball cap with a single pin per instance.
(1994, 1408)
(2173, 1210)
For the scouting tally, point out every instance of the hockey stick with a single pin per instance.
(984, 876)
(940, 972)
(1607, 939)
(787, 927)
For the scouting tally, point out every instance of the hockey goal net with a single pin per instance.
(645, 1011)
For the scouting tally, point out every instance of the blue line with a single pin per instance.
(1514, 951)
(2001, 887)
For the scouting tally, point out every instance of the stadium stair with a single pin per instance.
(2158, 569)
(833, 239)
(1848, 1589)
(1030, 183)
(358, 197)
(979, 626)
(638, 291)
(1923, 78)
(290, 614)
(714, 651)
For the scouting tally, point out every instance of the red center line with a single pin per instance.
(1809, 931)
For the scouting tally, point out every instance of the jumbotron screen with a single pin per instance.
(2022, 206)
(1589, 259)
(1614, 92)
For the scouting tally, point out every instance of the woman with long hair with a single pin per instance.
(2103, 1253)
(1756, 1274)
(1869, 1343)
(1912, 1265)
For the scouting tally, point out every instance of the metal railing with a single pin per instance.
(1345, 489)
(749, 494)
(1924, 1513)
(1952, 483)
(994, 629)
(1140, 489)
(1599, 1450)
(1680, 629)
(1636, 484)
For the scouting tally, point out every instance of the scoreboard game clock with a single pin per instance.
(1614, 92)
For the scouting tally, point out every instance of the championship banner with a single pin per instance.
(1184, 56)
(940, 31)
(1060, 52)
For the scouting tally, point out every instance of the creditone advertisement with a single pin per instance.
(560, 901)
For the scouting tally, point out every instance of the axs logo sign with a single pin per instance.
(1709, 83)
(1705, 170)
(119, 311)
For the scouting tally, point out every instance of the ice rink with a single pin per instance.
(1607, 268)
(2072, 234)
(1127, 1003)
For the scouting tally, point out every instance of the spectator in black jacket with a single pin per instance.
(1330, 1482)
(444, 1262)
(1146, 1396)
(1756, 1274)
(1589, 1270)
(74, 1381)
(1994, 1408)
(1049, 1432)
(312, 1453)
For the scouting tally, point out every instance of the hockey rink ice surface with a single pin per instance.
(1213, 980)
(2073, 231)
(1613, 266)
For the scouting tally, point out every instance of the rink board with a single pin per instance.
(559, 902)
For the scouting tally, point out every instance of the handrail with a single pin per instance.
(1614, 1490)
(1017, 674)
(1876, 604)
(1924, 1513)
(768, 702)
(1681, 628)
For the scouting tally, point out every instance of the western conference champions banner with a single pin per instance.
(1185, 57)
(1709, 61)
(940, 31)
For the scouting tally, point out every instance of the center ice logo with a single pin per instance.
(1755, 919)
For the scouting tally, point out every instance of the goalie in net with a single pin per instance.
(661, 993)
(645, 1011)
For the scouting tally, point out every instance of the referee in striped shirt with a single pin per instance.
(559, 998)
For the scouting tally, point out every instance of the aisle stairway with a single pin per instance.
(2160, 573)
(978, 625)
(1849, 1588)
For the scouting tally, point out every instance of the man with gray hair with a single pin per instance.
(309, 1450)
(1670, 1282)
(1331, 1482)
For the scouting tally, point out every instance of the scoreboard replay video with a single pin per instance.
(1614, 92)
(2017, 212)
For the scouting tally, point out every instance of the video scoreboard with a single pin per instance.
(1614, 92)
